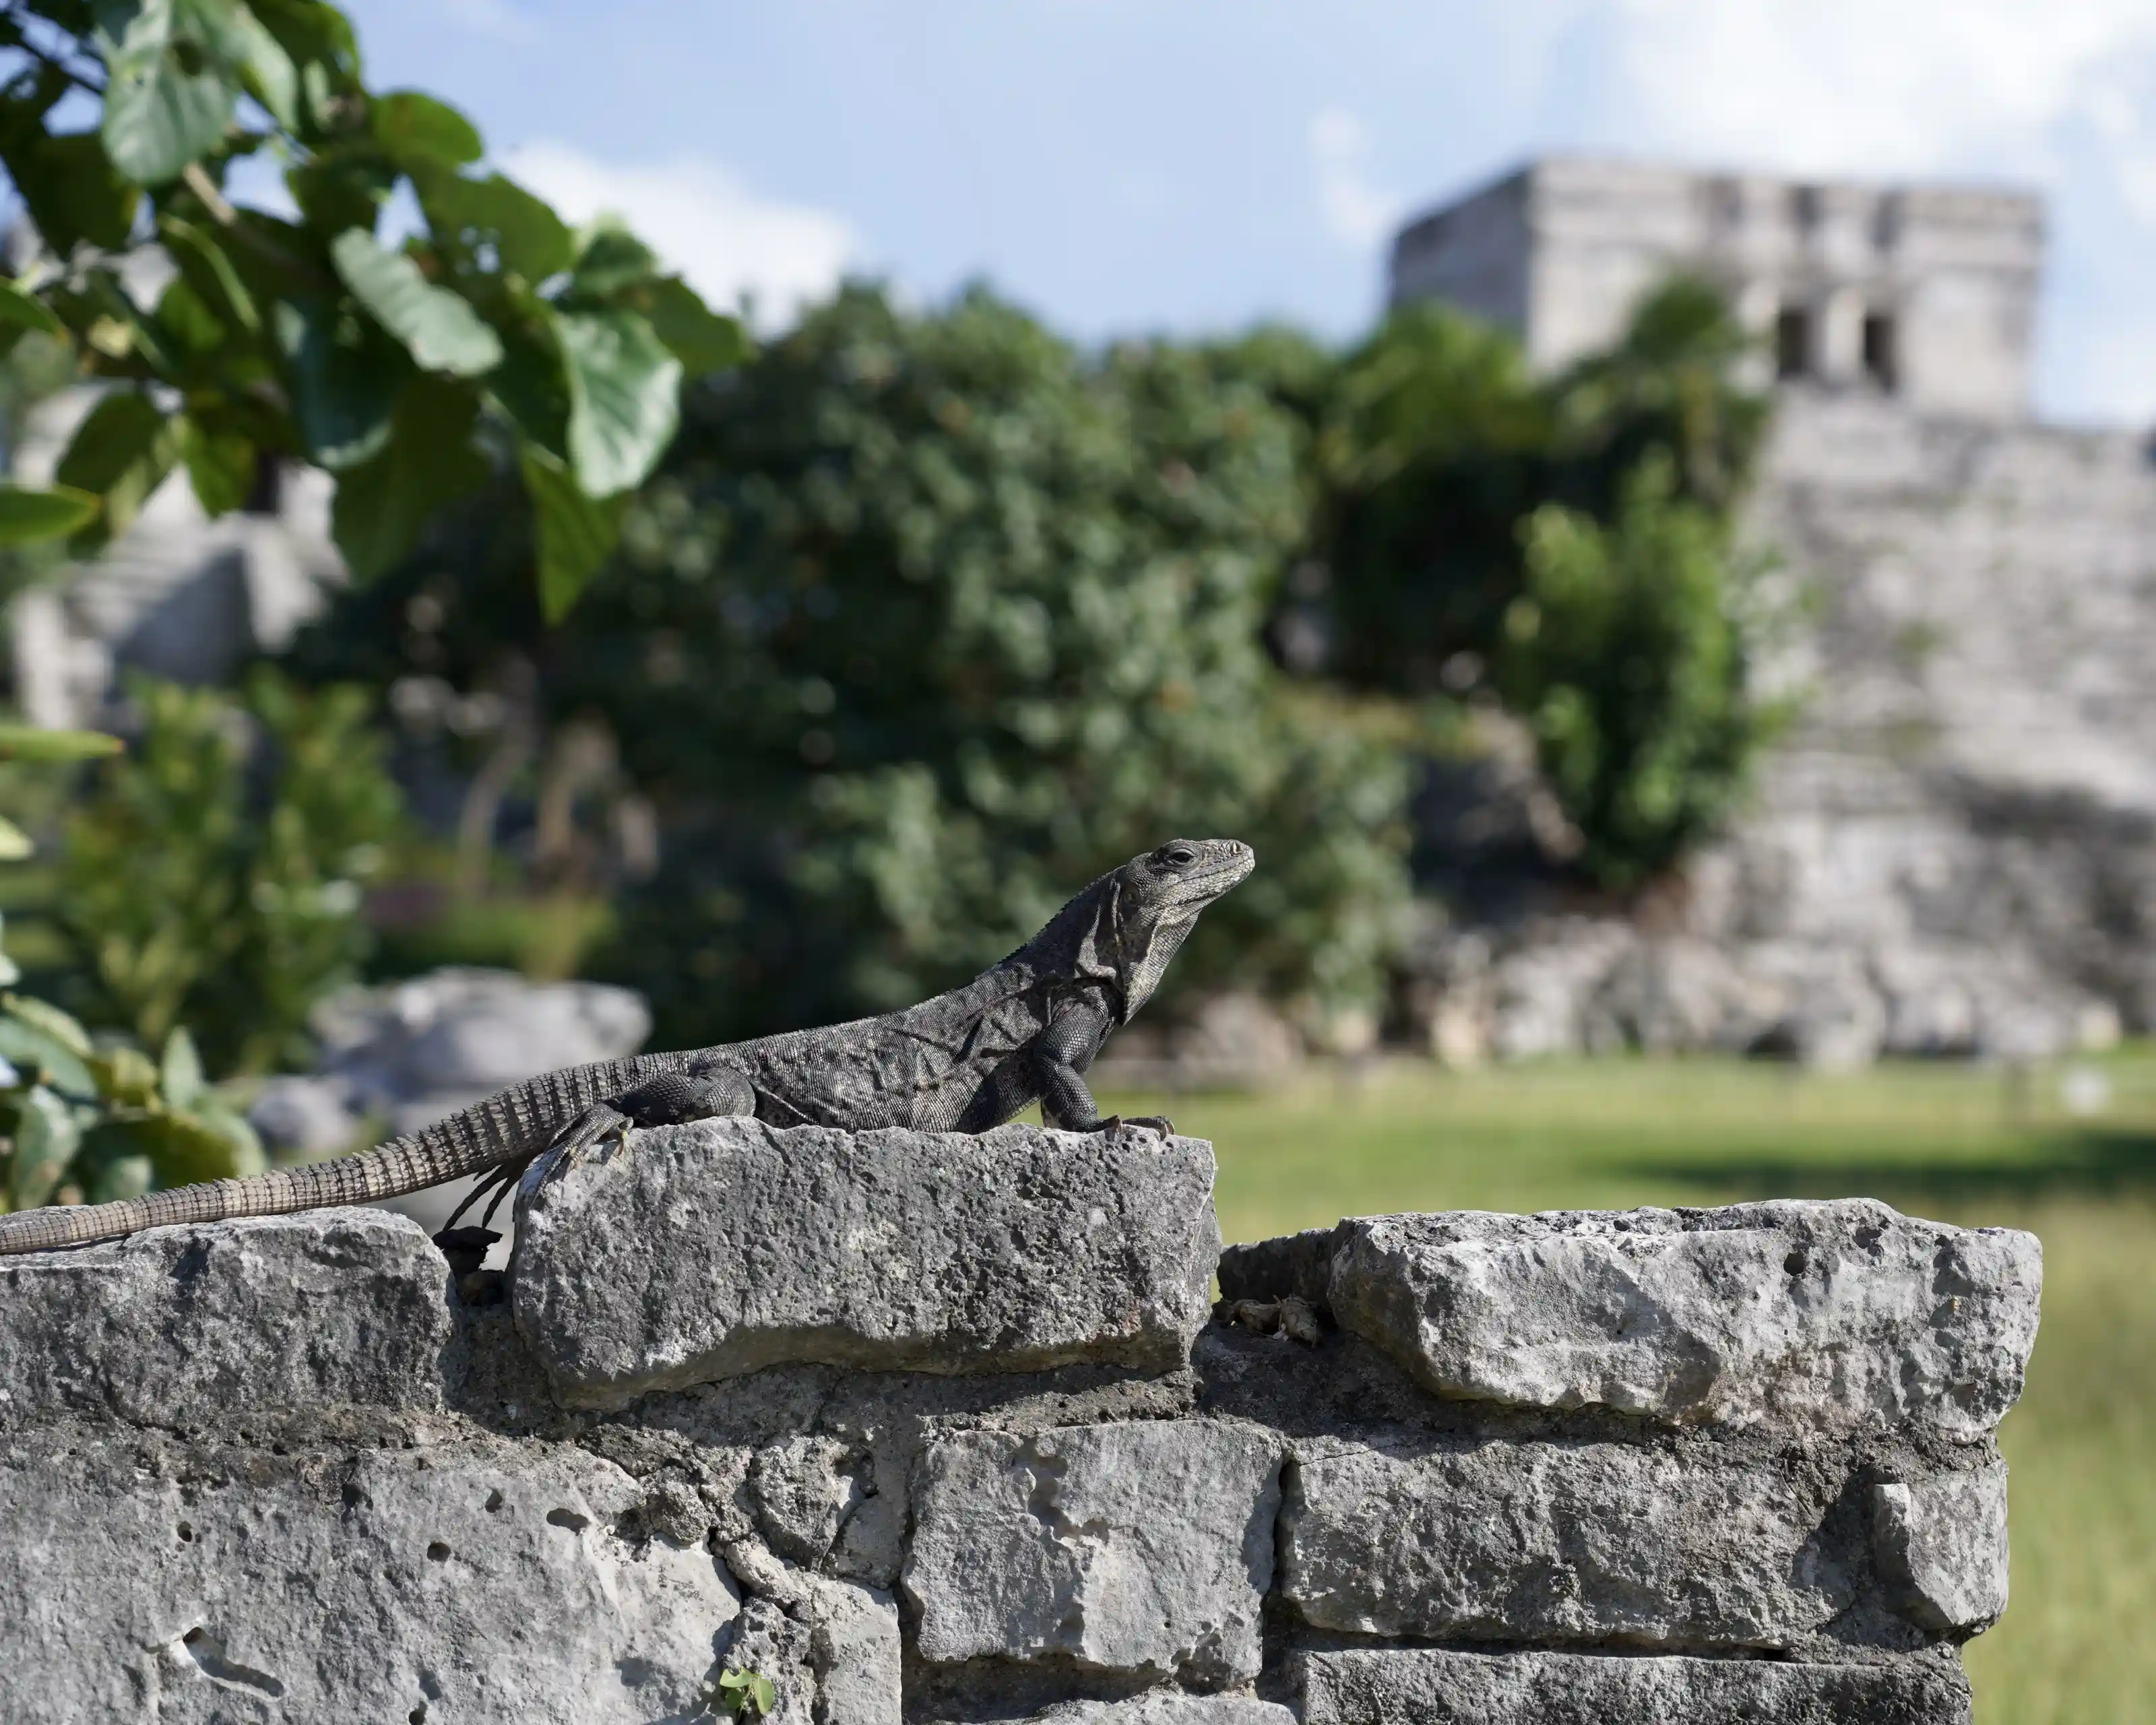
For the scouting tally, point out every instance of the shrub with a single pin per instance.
(1629, 652)
(213, 875)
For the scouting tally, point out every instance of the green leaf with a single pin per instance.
(27, 516)
(28, 1049)
(14, 845)
(528, 238)
(345, 373)
(62, 1027)
(21, 310)
(272, 77)
(530, 386)
(124, 1075)
(336, 192)
(222, 464)
(187, 1147)
(383, 505)
(414, 128)
(700, 338)
(577, 533)
(624, 398)
(203, 261)
(31, 742)
(74, 194)
(764, 1692)
(610, 258)
(179, 1071)
(46, 1139)
(121, 451)
(437, 326)
(119, 1176)
(172, 81)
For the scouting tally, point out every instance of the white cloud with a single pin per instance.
(1878, 86)
(2059, 96)
(703, 219)
(1357, 211)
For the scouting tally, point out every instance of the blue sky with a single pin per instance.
(1198, 164)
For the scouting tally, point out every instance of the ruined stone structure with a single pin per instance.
(1955, 851)
(933, 1428)
(1925, 294)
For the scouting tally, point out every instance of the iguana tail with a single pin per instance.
(511, 1122)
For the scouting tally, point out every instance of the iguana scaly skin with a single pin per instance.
(1024, 1031)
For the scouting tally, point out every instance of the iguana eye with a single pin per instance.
(1178, 856)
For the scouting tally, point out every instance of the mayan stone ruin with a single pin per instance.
(935, 1428)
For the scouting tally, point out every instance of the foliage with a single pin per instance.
(1569, 545)
(1436, 442)
(1629, 654)
(927, 620)
(492, 339)
(744, 1694)
(213, 875)
(90, 1119)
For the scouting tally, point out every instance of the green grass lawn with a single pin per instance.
(1962, 1144)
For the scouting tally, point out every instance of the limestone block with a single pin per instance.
(699, 1252)
(475, 1582)
(1835, 1316)
(1144, 1546)
(1940, 1544)
(182, 1327)
(1167, 1707)
(1425, 1686)
(854, 1651)
(1524, 1541)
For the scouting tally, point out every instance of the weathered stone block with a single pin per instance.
(699, 1252)
(183, 1327)
(483, 1581)
(1940, 1544)
(1167, 1707)
(1143, 1546)
(1830, 1316)
(1425, 1686)
(1526, 1542)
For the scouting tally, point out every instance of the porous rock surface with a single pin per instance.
(283, 1470)
(1425, 1686)
(1822, 1316)
(1143, 1547)
(466, 1580)
(719, 1248)
(1559, 1542)
(185, 1326)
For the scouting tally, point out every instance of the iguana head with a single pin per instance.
(1142, 911)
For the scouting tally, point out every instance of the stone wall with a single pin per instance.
(931, 1428)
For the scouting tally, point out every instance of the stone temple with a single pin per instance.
(1951, 853)
(1922, 293)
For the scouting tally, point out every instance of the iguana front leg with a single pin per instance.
(1065, 1101)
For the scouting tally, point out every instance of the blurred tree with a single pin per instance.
(1629, 654)
(1436, 442)
(492, 337)
(1567, 545)
(926, 620)
(92, 1119)
(213, 875)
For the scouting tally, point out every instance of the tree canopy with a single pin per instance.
(412, 367)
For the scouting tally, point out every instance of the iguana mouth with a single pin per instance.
(1222, 864)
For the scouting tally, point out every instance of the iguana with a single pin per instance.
(1024, 1030)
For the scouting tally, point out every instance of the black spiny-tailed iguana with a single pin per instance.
(1025, 1030)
